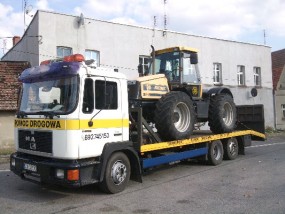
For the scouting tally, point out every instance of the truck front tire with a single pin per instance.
(117, 173)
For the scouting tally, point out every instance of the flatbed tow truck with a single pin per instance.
(76, 126)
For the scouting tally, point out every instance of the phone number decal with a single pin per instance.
(96, 136)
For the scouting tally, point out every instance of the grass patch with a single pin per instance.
(6, 151)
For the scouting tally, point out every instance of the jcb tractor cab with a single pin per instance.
(180, 66)
(171, 95)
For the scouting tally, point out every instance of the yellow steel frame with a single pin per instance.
(197, 140)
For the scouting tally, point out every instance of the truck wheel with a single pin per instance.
(215, 153)
(117, 173)
(222, 114)
(230, 148)
(174, 116)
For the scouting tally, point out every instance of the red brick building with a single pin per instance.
(278, 79)
(9, 87)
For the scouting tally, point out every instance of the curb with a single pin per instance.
(4, 159)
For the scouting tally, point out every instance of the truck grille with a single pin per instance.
(40, 141)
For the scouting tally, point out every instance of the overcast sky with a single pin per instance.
(239, 20)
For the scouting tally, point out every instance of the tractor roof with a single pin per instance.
(177, 48)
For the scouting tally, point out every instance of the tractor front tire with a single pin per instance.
(174, 116)
(222, 114)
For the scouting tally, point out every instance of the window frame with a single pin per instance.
(93, 51)
(99, 92)
(257, 76)
(88, 101)
(241, 75)
(217, 79)
(63, 49)
(144, 65)
(283, 110)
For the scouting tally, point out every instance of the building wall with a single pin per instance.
(27, 49)
(280, 100)
(9, 87)
(120, 46)
(7, 129)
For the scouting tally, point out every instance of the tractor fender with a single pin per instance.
(218, 90)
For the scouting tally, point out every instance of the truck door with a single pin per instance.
(101, 118)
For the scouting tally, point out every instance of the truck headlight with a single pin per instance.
(13, 162)
(59, 173)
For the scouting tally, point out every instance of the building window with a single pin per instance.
(92, 54)
(283, 110)
(63, 51)
(144, 62)
(217, 73)
(241, 75)
(257, 76)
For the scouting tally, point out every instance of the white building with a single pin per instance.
(239, 66)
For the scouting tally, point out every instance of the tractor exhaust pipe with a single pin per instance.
(153, 59)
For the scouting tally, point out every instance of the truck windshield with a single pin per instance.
(58, 96)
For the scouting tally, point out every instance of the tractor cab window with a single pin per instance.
(168, 64)
(190, 71)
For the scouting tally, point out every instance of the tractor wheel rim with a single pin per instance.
(228, 114)
(182, 117)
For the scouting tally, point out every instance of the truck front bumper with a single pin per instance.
(69, 173)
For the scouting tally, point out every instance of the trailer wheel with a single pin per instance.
(174, 116)
(222, 114)
(230, 148)
(117, 173)
(215, 153)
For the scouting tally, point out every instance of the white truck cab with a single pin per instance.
(68, 111)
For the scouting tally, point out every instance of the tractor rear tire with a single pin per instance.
(174, 116)
(222, 114)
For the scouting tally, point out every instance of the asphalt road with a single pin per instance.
(254, 183)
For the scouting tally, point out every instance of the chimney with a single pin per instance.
(16, 39)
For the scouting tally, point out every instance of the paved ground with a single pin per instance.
(253, 183)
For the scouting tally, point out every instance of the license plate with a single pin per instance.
(30, 167)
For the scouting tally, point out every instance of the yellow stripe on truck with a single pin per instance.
(70, 124)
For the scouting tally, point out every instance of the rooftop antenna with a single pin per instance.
(264, 36)
(4, 45)
(154, 25)
(26, 10)
(164, 18)
(81, 20)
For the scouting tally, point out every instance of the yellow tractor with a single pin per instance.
(170, 92)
